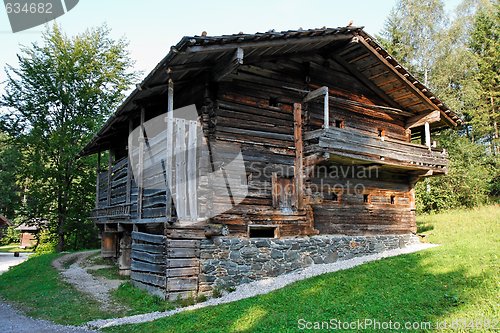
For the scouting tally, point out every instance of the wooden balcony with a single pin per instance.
(360, 148)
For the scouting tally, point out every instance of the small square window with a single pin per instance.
(393, 199)
(261, 232)
(273, 101)
(366, 198)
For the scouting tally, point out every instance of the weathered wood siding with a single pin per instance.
(255, 109)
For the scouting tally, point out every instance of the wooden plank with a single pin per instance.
(186, 233)
(140, 173)
(183, 243)
(191, 170)
(182, 252)
(180, 167)
(150, 238)
(148, 248)
(157, 291)
(129, 168)
(182, 283)
(151, 258)
(98, 179)
(298, 164)
(140, 266)
(110, 173)
(315, 94)
(185, 271)
(420, 119)
(180, 263)
(169, 148)
(156, 280)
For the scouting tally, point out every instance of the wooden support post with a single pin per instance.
(427, 129)
(170, 147)
(298, 163)
(140, 173)
(323, 91)
(110, 174)
(98, 186)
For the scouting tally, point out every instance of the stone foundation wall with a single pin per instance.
(227, 262)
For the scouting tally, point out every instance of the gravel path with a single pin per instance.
(8, 260)
(262, 286)
(11, 321)
(97, 287)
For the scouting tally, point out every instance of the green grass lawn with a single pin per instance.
(458, 280)
(36, 287)
(13, 248)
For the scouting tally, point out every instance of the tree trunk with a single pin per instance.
(496, 148)
(60, 222)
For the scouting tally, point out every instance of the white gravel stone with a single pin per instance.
(262, 286)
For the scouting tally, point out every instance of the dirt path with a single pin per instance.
(77, 274)
(12, 321)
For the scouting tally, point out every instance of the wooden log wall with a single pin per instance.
(148, 265)
(360, 202)
(166, 266)
(255, 110)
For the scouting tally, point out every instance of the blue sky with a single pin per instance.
(152, 26)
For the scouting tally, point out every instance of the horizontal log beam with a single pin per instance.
(421, 119)
(149, 238)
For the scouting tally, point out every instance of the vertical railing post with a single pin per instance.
(140, 173)
(326, 109)
(427, 130)
(129, 168)
(169, 143)
(110, 174)
(98, 180)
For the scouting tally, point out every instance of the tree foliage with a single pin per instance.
(9, 164)
(459, 60)
(59, 95)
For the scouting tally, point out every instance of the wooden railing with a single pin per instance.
(356, 145)
(120, 195)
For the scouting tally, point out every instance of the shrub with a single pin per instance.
(469, 178)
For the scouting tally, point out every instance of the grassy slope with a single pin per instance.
(37, 288)
(456, 280)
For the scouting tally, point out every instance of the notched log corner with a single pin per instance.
(216, 230)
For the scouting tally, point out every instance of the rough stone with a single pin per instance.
(232, 261)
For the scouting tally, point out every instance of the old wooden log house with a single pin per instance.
(334, 133)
